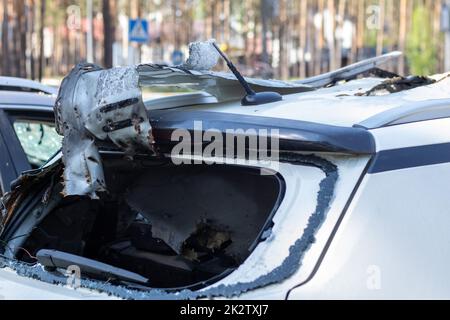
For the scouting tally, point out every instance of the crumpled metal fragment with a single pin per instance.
(95, 104)
(202, 56)
(398, 84)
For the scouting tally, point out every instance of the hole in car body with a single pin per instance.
(178, 226)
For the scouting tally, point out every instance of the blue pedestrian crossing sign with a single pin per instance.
(138, 30)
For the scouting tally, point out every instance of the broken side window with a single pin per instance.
(39, 140)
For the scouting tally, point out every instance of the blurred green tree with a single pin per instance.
(420, 49)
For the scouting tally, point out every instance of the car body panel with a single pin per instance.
(350, 170)
(412, 134)
(392, 242)
(14, 287)
(24, 85)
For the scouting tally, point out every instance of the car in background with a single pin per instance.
(27, 129)
(25, 85)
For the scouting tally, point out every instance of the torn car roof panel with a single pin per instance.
(224, 86)
(95, 104)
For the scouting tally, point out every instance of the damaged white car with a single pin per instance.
(330, 187)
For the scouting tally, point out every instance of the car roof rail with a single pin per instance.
(409, 113)
(349, 72)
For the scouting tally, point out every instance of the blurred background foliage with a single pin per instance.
(267, 38)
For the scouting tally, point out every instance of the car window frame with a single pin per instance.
(10, 146)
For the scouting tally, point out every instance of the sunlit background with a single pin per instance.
(266, 38)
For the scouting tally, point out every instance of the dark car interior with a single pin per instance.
(177, 226)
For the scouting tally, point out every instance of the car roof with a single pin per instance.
(26, 101)
(339, 105)
(25, 85)
(343, 104)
